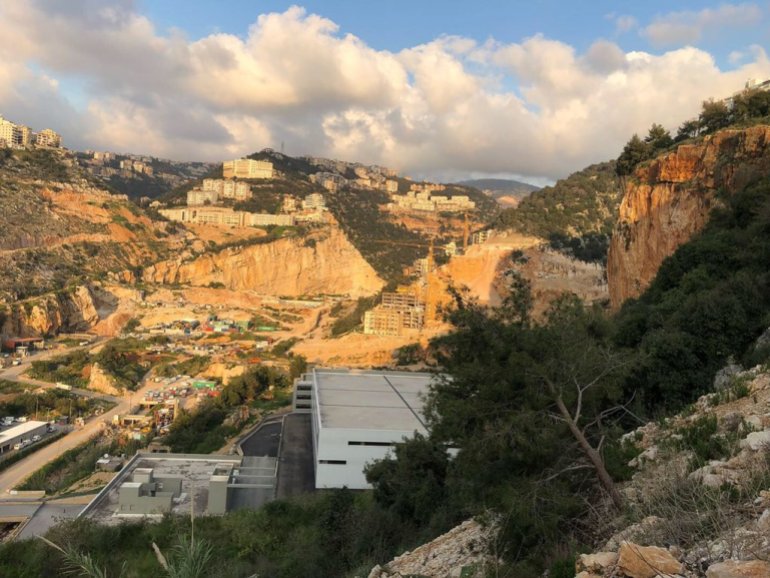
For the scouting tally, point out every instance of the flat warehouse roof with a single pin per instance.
(21, 429)
(384, 400)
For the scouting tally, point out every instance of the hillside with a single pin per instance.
(577, 213)
(671, 197)
(139, 176)
(359, 206)
(507, 192)
(58, 228)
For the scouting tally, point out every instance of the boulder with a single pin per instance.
(738, 569)
(757, 440)
(724, 377)
(597, 562)
(763, 524)
(646, 561)
(732, 421)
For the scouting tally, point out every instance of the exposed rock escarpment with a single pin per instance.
(669, 199)
(330, 265)
(74, 310)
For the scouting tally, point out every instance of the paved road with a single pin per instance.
(295, 468)
(14, 475)
(15, 372)
(264, 441)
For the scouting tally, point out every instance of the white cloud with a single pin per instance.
(538, 108)
(687, 27)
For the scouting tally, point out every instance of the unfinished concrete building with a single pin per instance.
(398, 312)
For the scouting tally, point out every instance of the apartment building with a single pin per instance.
(313, 202)
(48, 138)
(238, 190)
(199, 197)
(14, 135)
(247, 169)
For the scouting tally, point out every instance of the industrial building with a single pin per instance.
(152, 484)
(19, 433)
(358, 417)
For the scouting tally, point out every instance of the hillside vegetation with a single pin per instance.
(576, 214)
(58, 228)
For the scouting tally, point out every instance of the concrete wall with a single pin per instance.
(351, 446)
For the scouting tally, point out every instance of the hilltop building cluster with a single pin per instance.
(425, 201)
(204, 202)
(335, 175)
(108, 165)
(19, 136)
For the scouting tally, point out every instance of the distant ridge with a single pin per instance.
(501, 186)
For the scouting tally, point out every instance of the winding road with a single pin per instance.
(19, 471)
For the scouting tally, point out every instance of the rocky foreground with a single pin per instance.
(697, 506)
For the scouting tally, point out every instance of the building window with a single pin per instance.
(377, 444)
(333, 462)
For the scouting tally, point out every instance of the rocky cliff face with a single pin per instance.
(328, 264)
(669, 199)
(47, 315)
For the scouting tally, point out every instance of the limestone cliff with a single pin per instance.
(669, 199)
(74, 310)
(294, 266)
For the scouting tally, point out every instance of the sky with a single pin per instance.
(439, 89)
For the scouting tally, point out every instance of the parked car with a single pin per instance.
(35, 438)
(17, 446)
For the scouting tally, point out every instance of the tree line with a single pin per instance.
(746, 106)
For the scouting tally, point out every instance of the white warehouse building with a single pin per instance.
(358, 417)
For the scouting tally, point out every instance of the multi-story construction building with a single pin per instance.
(247, 169)
(48, 138)
(398, 311)
(480, 237)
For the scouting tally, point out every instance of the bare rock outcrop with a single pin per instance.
(102, 381)
(74, 310)
(669, 199)
(329, 264)
(637, 561)
(738, 569)
(463, 550)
